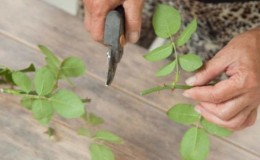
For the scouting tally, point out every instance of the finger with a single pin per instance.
(227, 110)
(98, 17)
(133, 19)
(250, 120)
(98, 11)
(232, 124)
(211, 69)
(221, 92)
(87, 20)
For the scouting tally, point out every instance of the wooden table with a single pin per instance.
(140, 121)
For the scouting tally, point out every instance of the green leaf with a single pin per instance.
(94, 120)
(159, 53)
(53, 63)
(166, 70)
(101, 152)
(166, 21)
(67, 104)
(215, 129)
(195, 144)
(186, 34)
(108, 136)
(44, 81)
(22, 81)
(84, 132)
(2, 71)
(190, 62)
(31, 68)
(73, 67)
(183, 113)
(42, 111)
(27, 102)
(8, 76)
(49, 56)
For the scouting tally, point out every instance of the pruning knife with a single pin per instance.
(114, 38)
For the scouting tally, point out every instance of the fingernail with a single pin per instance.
(185, 94)
(133, 37)
(191, 81)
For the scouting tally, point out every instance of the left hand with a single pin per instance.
(233, 102)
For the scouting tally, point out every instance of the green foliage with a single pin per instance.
(108, 136)
(195, 144)
(53, 63)
(22, 81)
(42, 111)
(67, 104)
(72, 67)
(84, 132)
(166, 70)
(27, 102)
(44, 81)
(190, 62)
(183, 113)
(40, 94)
(101, 152)
(6, 73)
(166, 21)
(159, 53)
(94, 119)
(186, 34)
(215, 129)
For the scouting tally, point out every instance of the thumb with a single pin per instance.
(210, 71)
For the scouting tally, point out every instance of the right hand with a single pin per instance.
(97, 10)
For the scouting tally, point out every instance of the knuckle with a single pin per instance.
(223, 114)
(215, 97)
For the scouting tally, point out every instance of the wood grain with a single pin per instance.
(139, 120)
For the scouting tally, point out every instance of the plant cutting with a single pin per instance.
(41, 94)
(195, 144)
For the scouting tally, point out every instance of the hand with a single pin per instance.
(233, 102)
(96, 11)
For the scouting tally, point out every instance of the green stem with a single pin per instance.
(165, 87)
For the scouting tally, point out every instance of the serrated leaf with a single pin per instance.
(159, 53)
(187, 32)
(53, 63)
(52, 59)
(22, 81)
(183, 113)
(166, 70)
(195, 144)
(31, 68)
(108, 136)
(190, 62)
(101, 152)
(44, 81)
(42, 111)
(67, 104)
(215, 129)
(72, 67)
(166, 21)
(27, 102)
(84, 132)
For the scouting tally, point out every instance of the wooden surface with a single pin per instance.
(140, 121)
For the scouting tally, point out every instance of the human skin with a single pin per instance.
(96, 11)
(233, 102)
